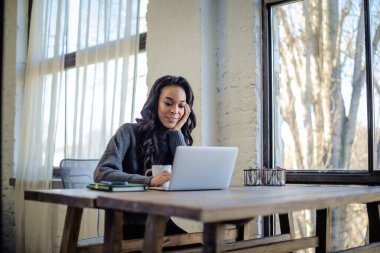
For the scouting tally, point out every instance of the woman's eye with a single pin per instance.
(167, 103)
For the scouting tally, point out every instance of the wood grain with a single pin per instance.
(239, 203)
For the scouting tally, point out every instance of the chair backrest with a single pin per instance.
(77, 173)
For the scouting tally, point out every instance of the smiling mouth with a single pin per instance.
(172, 119)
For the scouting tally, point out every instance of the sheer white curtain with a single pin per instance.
(103, 82)
(74, 109)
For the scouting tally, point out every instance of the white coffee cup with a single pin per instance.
(159, 168)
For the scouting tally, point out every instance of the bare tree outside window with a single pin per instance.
(320, 98)
(320, 83)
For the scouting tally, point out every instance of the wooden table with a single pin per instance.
(77, 199)
(214, 209)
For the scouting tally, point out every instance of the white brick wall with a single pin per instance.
(216, 50)
(226, 73)
(13, 78)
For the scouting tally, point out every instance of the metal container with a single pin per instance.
(265, 176)
(253, 177)
(274, 177)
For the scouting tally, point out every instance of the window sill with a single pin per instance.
(56, 181)
(331, 177)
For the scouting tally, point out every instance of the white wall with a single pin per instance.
(215, 44)
(237, 80)
(14, 55)
(173, 44)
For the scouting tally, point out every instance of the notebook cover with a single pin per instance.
(117, 187)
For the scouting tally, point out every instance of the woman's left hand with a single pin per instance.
(184, 118)
(160, 178)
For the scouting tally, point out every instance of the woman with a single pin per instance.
(166, 122)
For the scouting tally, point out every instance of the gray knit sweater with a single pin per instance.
(120, 160)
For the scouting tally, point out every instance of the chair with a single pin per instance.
(77, 173)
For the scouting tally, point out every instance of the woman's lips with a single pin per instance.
(172, 119)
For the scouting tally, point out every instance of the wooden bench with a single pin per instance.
(170, 242)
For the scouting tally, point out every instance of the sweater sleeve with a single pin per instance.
(110, 166)
(176, 138)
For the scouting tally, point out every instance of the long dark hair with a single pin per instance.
(149, 123)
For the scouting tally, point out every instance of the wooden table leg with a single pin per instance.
(323, 231)
(243, 232)
(71, 230)
(213, 237)
(154, 233)
(242, 228)
(113, 231)
(373, 222)
(284, 223)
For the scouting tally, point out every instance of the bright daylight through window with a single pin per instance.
(326, 97)
(105, 80)
(320, 86)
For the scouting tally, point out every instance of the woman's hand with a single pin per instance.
(184, 118)
(160, 178)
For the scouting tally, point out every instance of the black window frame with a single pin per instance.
(372, 177)
(70, 58)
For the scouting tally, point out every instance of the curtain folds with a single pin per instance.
(71, 112)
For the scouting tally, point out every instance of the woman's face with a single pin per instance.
(171, 105)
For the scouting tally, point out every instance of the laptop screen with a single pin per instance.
(202, 167)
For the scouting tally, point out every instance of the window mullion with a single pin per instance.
(370, 95)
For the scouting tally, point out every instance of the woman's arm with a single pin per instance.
(110, 166)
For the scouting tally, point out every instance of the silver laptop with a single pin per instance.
(201, 168)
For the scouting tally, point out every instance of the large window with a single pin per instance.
(321, 84)
(322, 100)
(99, 90)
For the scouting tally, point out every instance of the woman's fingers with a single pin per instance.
(160, 178)
(184, 118)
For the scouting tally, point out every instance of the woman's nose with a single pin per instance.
(174, 109)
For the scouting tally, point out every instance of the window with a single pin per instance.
(101, 87)
(321, 88)
(322, 98)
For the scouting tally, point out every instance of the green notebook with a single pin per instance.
(118, 187)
